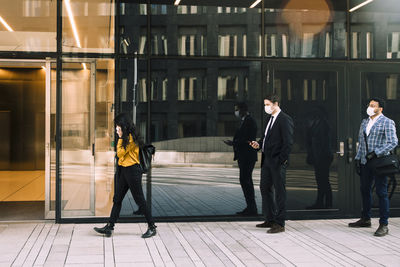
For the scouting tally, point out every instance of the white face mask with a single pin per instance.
(371, 111)
(268, 109)
(237, 114)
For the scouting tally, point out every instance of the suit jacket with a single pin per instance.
(381, 139)
(279, 140)
(245, 133)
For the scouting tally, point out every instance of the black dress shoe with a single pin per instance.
(361, 223)
(106, 230)
(151, 231)
(276, 228)
(382, 230)
(265, 224)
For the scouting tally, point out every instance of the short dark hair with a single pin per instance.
(242, 106)
(380, 101)
(273, 98)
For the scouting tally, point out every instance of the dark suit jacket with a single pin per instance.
(245, 133)
(279, 140)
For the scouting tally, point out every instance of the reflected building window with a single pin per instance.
(228, 87)
(158, 88)
(392, 86)
(159, 44)
(361, 42)
(232, 42)
(182, 9)
(314, 90)
(192, 86)
(229, 10)
(233, 84)
(158, 9)
(142, 9)
(316, 44)
(393, 45)
(192, 41)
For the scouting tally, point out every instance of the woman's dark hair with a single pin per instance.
(124, 121)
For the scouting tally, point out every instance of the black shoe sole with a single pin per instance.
(148, 236)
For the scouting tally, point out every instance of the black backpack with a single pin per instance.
(146, 153)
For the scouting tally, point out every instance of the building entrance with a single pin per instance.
(23, 88)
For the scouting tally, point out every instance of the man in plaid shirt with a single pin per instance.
(381, 137)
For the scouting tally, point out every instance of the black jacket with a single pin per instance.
(245, 133)
(279, 140)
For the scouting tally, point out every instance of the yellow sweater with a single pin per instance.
(129, 156)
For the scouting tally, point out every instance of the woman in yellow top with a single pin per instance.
(129, 175)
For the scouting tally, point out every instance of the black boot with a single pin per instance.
(151, 231)
(106, 230)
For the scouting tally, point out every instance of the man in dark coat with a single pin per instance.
(245, 155)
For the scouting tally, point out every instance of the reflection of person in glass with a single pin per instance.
(377, 137)
(129, 175)
(245, 155)
(319, 155)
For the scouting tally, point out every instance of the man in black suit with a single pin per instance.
(245, 155)
(275, 145)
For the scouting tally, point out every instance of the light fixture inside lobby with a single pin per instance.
(177, 2)
(255, 3)
(72, 22)
(360, 5)
(5, 24)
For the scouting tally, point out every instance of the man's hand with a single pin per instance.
(358, 166)
(371, 155)
(254, 144)
(228, 142)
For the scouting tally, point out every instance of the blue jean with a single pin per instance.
(366, 182)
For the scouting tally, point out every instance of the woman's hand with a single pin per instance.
(119, 131)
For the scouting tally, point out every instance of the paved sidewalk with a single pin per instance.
(305, 243)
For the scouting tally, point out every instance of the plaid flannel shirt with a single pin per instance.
(381, 139)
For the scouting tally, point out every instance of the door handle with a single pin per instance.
(93, 149)
(341, 149)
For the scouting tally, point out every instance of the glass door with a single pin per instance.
(310, 94)
(77, 150)
(383, 81)
(87, 135)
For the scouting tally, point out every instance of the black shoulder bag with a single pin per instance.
(383, 166)
(146, 153)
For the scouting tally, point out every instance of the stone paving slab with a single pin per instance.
(305, 243)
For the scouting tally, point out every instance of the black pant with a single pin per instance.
(246, 181)
(129, 178)
(321, 169)
(273, 180)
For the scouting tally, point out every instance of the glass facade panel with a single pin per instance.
(87, 150)
(192, 162)
(28, 25)
(312, 177)
(88, 26)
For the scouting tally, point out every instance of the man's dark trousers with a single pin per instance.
(366, 181)
(246, 167)
(273, 177)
